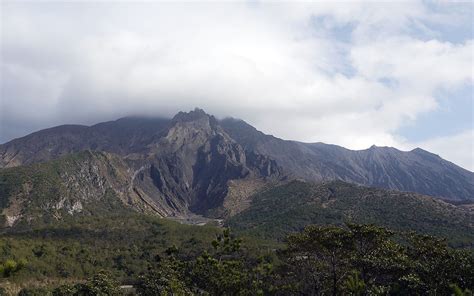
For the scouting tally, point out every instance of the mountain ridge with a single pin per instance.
(139, 138)
(384, 167)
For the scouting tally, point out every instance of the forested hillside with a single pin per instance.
(280, 210)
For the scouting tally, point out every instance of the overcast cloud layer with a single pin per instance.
(350, 74)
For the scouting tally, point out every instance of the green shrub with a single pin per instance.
(10, 267)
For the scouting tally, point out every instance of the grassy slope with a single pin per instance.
(288, 208)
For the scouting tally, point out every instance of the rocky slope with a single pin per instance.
(79, 183)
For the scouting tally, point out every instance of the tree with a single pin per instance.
(323, 253)
(222, 272)
(435, 267)
(377, 259)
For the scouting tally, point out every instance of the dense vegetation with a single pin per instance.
(125, 244)
(330, 260)
(81, 248)
(287, 208)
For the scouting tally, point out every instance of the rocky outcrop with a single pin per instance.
(193, 163)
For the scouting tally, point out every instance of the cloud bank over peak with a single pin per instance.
(351, 74)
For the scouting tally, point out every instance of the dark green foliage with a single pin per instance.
(435, 266)
(223, 270)
(324, 253)
(350, 260)
(365, 259)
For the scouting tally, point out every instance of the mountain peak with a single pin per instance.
(420, 151)
(193, 115)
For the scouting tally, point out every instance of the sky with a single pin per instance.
(355, 74)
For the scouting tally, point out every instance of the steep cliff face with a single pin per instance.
(193, 163)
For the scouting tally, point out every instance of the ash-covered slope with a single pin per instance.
(123, 136)
(384, 167)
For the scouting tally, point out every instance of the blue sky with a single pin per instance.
(349, 73)
(454, 115)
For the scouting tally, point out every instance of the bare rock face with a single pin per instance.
(193, 163)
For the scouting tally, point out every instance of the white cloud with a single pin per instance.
(349, 74)
(458, 148)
